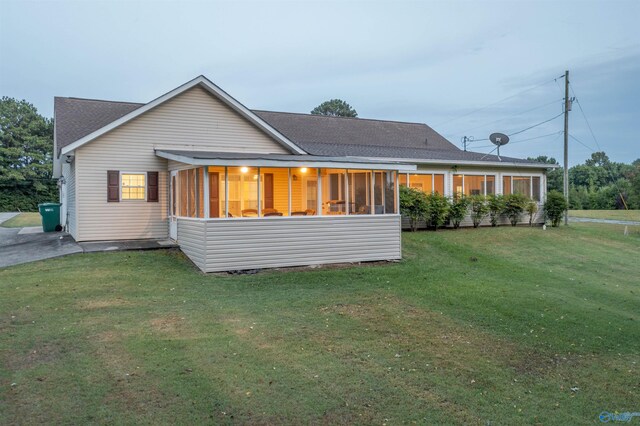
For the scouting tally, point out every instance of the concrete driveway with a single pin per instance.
(17, 247)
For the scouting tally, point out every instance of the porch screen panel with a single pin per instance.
(183, 179)
(216, 191)
(385, 192)
(304, 191)
(473, 185)
(359, 192)
(243, 191)
(191, 188)
(506, 185)
(535, 182)
(334, 191)
(200, 192)
(490, 184)
(438, 184)
(421, 182)
(457, 185)
(522, 185)
(274, 184)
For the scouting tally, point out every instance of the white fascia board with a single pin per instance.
(471, 163)
(210, 87)
(260, 162)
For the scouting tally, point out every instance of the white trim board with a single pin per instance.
(211, 88)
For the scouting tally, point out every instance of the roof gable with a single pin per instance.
(201, 81)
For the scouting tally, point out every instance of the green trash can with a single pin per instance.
(50, 213)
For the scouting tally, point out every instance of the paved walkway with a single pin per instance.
(22, 245)
(611, 221)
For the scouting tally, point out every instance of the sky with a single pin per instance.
(463, 68)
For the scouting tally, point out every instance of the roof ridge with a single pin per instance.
(382, 146)
(99, 100)
(344, 118)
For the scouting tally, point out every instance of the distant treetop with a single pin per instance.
(335, 108)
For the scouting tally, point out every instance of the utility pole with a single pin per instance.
(567, 108)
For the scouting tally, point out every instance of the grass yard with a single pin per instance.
(22, 220)
(481, 326)
(633, 215)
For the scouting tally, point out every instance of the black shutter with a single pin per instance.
(113, 186)
(152, 187)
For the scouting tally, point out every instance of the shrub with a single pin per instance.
(479, 209)
(495, 203)
(458, 210)
(555, 207)
(437, 210)
(413, 204)
(514, 205)
(531, 208)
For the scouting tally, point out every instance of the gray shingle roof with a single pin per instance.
(76, 118)
(316, 134)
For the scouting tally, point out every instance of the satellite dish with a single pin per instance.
(499, 139)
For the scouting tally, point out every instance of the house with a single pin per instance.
(243, 189)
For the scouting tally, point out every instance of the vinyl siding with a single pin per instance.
(191, 235)
(296, 241)
(192, 120)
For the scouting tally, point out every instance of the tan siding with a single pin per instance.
(191, 237)
(192, 120)
(278, 242)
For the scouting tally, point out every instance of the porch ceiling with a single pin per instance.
(207, 158)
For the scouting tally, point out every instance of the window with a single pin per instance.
(529, 186)
(473, 184)
(133, 186)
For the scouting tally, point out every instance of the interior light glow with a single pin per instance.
(303, 169)
(244, 169)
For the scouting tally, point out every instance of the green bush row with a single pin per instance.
(437, 210)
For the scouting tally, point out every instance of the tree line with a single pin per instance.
(598, 183)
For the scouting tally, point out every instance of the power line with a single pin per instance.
(535, 125)
(585, 118)
(525, 140)
(512, 115)
(497, 102)
(581, 143)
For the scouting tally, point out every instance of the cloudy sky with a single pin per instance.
(464, 68)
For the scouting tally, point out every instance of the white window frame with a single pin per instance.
(146, 183)
(540, 191)
(433, 179)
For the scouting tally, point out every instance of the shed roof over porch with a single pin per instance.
(208, 158)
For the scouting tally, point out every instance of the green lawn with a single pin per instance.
(479, 326)
(22, 220)
(633, 215)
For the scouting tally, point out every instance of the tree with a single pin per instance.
(554, 207)
(335, 108)
(532, 209)
(26, 149)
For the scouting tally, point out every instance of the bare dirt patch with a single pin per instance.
(169, 324)
(41, 353)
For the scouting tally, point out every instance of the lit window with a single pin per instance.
(473, 185)
(133, 186)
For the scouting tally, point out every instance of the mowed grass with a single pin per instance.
(479, 326)
(632, 215)
(22, 220)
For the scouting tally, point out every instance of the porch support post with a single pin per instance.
(259, 195)
(319, 194)
(372, 194)
(206, 192)
(289, 192)
(226, 191)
